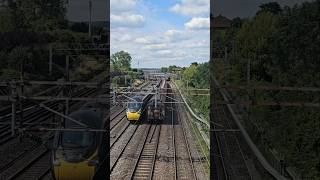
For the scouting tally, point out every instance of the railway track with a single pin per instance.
(185, 168)
(233, 160)
(35, 115)
(124, 145)
(195, 150)
(149, 150)
(183, 160)
(29, 161)
(119, 117)
(5, 112)
(144, 165)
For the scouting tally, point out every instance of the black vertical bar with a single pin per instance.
(213, 168)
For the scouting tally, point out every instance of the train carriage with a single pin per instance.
(156, 106)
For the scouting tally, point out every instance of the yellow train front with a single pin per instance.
(136, 108)
(79, 154)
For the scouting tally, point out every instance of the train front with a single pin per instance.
(134, 111)
(76, 153)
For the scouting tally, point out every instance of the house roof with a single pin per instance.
(221, 22)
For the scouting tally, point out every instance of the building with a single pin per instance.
(219, 26)
(221, 23)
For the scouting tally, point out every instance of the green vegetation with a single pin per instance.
(193, 78)
(27, 27)
(282, 47)
(196, 76)
(121, 61)
(121, 67)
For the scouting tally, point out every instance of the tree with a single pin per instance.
(38, 15)
(6, 20)
(194, 64)
(121, 61)
(253, 40)
(284, 51)
(272, 7)
(172, 68)
(164, 69)
(189, 73)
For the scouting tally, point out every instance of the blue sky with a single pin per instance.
(160, 33)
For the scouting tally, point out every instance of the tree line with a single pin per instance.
(120, 68)
(27, 27)
(194, 77)
(279, 46)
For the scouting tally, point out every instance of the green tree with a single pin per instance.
(272, 7)
(164, 69)
(38, 15)
(253, 42)
(121, 61)
(189, 73)
(283, 50)
(6, 20)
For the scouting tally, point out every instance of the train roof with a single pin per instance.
(87, 116)
(137, 98)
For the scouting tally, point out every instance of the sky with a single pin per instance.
(245, 8)
(159, 33)
(78, 10)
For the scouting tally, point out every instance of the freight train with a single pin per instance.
(156, 106)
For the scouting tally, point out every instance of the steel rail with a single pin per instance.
(187, 147)
(136, 163)
(115, 124)
(173, 143)
(122, 150)
(251, 144)
(155, 154)
(238, 143)
(121, 133)
(117, 114)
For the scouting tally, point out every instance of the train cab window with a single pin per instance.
(134, 106)
(77, 139)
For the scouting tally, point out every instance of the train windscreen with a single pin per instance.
(134, 107)
(77, 139)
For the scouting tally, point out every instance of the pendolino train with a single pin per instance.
(136, 107)
(78, 155)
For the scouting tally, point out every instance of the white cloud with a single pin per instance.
(198, 24)
(192, 7)
(156, 47)
(160, 43)
(164, 52)
(197, 44)
(142, 40)
(173, 35)
(122, 38)
(124, 20)
(122, 5)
